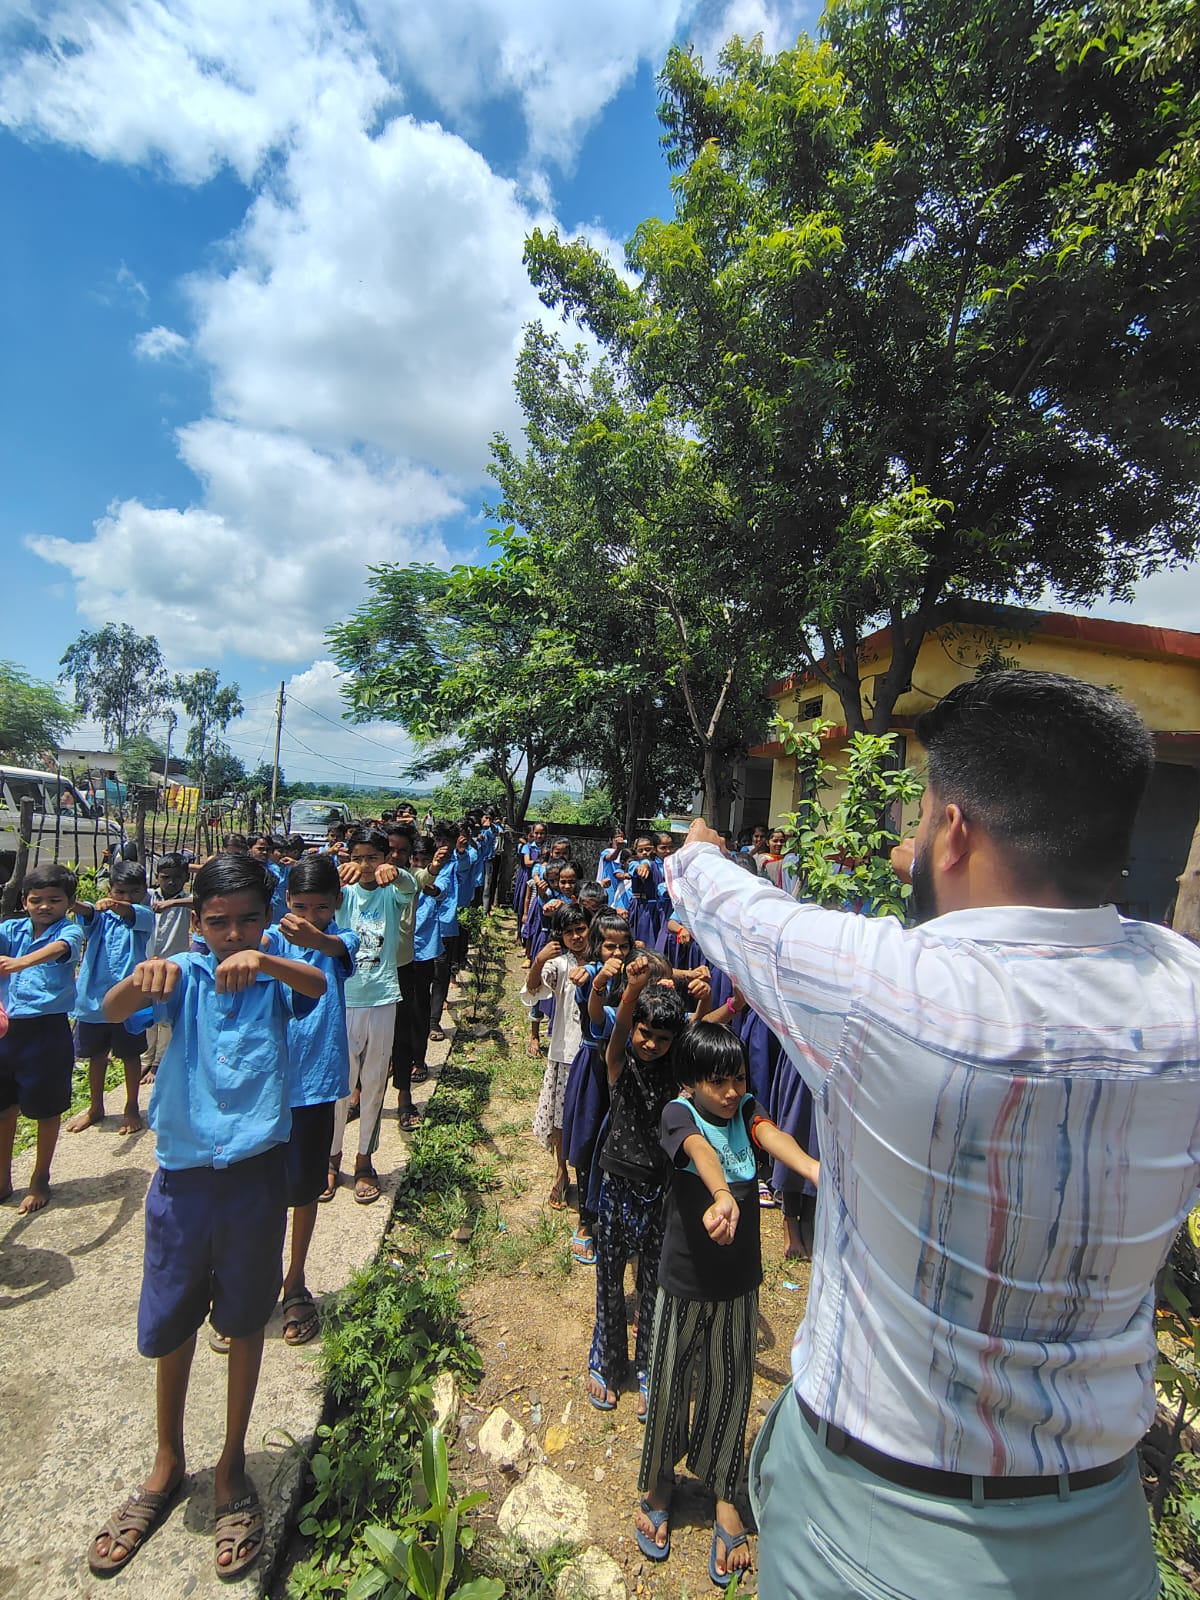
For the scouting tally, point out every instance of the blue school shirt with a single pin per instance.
(455, 881)
(222, 1089)
(114, 947)
(279, 893)
(48, 990)
(427, 933)
(317, 1044)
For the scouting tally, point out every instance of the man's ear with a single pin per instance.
(954, 838)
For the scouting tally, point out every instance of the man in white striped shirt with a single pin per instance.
(1008, 1101)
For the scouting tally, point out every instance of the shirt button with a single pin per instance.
(218, 1148)
(221, 1059)
(224, 1107)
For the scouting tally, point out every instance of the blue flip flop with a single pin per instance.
(731, 1541)
(644, 1392)
(600, 1405)
(648, 1546)
(587, 1256)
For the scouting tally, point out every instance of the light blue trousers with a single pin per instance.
(830, 1530)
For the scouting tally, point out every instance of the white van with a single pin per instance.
(67, 825)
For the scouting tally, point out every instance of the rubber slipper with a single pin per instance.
(218, 1342)
(366, 1186)
(130, 1525)
(555, 1199)
(410, 1120)
(586, 1256)
(731, 1541)
(327, 1193)
(304, 1322)
(238, 1522)
(601, 1405)
(644, 1395)
(420, 1074)
(765, 1198)
(650, 1548)
(437, 1036)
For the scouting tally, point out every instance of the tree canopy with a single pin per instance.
(33, 718)
(905, 372)
(210, 707)
(118, 678)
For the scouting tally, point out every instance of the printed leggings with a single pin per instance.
(631, 1221)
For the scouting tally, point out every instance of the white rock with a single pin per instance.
(446, 1403)
(501, 1439)
(592, 1575)
(544, 1511)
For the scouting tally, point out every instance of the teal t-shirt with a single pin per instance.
(375, 915)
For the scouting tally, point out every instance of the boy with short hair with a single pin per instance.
(118, 929)
(216, 1209)
(38, 952)
(171, 903)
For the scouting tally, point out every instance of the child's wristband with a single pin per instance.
(722, 1190)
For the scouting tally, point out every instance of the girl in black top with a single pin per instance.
(641, 1082)
(706, 1313)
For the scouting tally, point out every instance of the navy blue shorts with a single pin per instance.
(308, 1152)
(108, 1039)
(36, 1063)
(214, 1241)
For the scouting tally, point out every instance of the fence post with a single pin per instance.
(12, 889)
(140, 828)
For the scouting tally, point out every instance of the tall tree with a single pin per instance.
(472, 664)
(33, 719)
(865, 309)
(118, 678)
(210, 708)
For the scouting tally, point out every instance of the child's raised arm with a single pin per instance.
(637, 976)
(782, 1147)
(59, 950)
(721, 1218)
(149, 981)
(298, 930)
(610, 970)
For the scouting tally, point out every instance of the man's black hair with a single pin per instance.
(315, 874)
(708, 1052)
(1052, 768)
(405, 830)
(374, 838)
(232, 874)
(659, 1007)
(51, 876)
(129, 875)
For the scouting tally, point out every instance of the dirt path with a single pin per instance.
(530, 1312)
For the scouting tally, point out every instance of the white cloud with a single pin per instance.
(563, 63)
(157, 344)
(376, 294)
(778, 24)
(196, 84)
(274, 555)
(1168, 599)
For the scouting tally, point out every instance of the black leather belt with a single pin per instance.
(952, 1485)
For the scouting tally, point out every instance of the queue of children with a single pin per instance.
(249, 993)
(661, 1090)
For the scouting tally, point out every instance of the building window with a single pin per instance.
(811, 709)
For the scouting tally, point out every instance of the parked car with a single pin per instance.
(67, 824)
(312, 819)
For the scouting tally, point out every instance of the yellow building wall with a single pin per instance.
(1165, 692)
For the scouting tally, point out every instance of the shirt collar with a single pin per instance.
(1094, 925)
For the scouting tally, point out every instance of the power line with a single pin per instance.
(330, 761)
(341, 726)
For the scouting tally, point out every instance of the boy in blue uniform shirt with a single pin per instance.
(216, 1209)
(38, 953)
(118, 930)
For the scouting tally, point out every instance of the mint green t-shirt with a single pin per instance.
(376, 916)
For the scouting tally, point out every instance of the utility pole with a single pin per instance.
(275, 768)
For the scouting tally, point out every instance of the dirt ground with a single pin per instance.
(530, 1312)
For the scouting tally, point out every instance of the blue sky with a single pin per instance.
(263, 292)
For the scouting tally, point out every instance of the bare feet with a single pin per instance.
(37, 1199)
(86, 1119)
(131, 1122)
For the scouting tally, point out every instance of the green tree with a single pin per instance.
(136, 758)
(225, 773)
(118, 678)
(472, 664)
(33, 719)
(210, 708)
(865, 310)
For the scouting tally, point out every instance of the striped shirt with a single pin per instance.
(1008, 1102)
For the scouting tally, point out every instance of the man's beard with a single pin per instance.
(921, 903)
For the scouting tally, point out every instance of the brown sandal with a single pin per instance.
(366, 1186)
(301, 1319)
(130, 1526)
(330, 1189)
(239, 1522)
